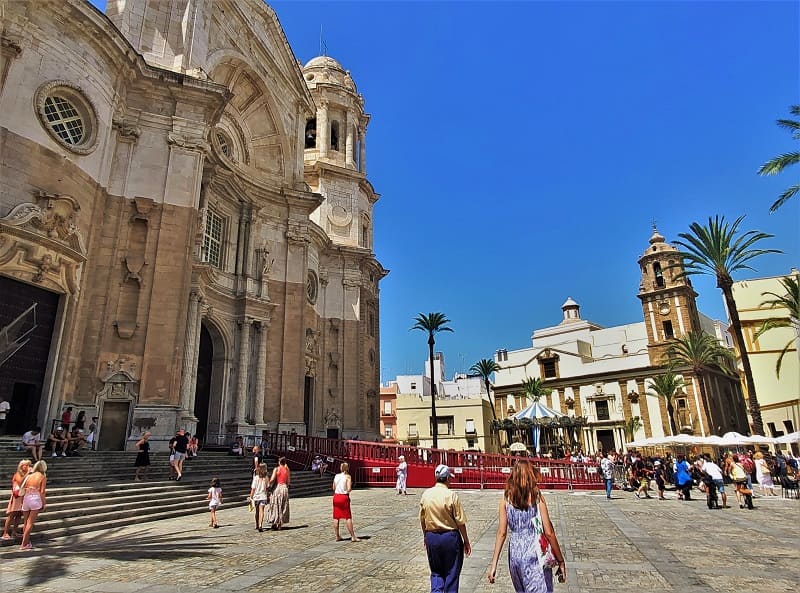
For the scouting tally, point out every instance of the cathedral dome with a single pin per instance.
(324, 69)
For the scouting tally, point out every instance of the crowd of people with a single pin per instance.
(711, 475)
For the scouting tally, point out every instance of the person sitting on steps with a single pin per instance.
(57, 442)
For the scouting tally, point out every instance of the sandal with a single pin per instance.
(26, 547)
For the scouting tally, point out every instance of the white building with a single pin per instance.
(603, 373)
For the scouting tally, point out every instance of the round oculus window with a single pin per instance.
(68, 116)
(312, 287)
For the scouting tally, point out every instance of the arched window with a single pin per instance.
(658, 274)
(311, 133)
(334, 135)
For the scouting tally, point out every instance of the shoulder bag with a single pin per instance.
(544, 551)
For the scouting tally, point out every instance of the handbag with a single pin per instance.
(544, 551)
(250, 506)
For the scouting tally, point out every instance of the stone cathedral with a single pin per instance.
(186, 225)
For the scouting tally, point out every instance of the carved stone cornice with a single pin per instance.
(40, 242)
(187, 142)
(126, 129)
(297, 233)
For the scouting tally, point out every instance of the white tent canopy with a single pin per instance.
(727, 440)
(788, 439)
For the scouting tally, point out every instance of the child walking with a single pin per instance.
(214, 499)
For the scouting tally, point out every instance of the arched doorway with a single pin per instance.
(202, 392)
(22, 376)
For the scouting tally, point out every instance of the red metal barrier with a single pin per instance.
(374, 464)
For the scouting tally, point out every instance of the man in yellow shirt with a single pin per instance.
(444, 529)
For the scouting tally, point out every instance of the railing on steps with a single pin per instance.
(374, 464)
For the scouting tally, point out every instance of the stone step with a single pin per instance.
(97, 491)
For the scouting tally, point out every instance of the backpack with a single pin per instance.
(748, 465)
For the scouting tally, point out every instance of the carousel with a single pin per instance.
(540, 431)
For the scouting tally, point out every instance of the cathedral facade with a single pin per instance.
(186, 225)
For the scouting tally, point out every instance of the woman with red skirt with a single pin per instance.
(342, 485)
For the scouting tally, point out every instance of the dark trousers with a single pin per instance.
(445, 558)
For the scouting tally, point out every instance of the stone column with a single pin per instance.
(348, 146)
(244, 363)
(261, 373)
(323, 133)
(363, 156)
(644, 411)
(189, 350)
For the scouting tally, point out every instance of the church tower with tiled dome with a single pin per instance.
(336, 154)
(335, 160)
(668, 300)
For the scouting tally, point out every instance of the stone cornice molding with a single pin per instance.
(187, 142)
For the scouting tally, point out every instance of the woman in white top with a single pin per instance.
(259, 495)
(763, 475)
(342, 485)
(402, 475)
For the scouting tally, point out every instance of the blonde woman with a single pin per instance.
(34, 500)
(259, 494)
(342, 485)
(14, 508)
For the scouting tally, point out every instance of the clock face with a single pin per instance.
(663, 308)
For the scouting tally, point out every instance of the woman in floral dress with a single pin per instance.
(517, 513)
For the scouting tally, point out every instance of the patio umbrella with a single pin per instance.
(788, 439)
(735, 438)
(517, 447)
(684, 439)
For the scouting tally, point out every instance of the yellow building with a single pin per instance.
(464, 423)
(779, 397)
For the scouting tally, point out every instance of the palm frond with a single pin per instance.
(779, 163)
(784, 197)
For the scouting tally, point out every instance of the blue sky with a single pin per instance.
(522, 150)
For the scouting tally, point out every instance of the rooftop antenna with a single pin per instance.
(323, 48)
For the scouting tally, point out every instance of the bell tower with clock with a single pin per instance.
(668, 302)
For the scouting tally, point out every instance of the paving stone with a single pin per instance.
(643, 545)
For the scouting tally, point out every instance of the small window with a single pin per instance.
(774, 430)
(681, 403)
(549, 368)
(470, 426)
(668, 333)
(213, 236)
(312, 287)
(334, 135)
(470, 443)
(413, 386)
(387, 408)
(387, 431)
(602, 410)
(445, 425)
(412, 430)
(311, 133)
(225, 144)
(789, 426)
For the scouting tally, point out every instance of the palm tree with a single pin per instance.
(631, 426)
(720, 250)
(700, 351)
(789, 301)
(432, 323)
(780, 162)
(485, 367)
(534, 388)
(666, 386)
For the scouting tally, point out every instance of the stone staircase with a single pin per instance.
(97, 491)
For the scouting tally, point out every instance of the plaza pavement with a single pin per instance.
(610, 545)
